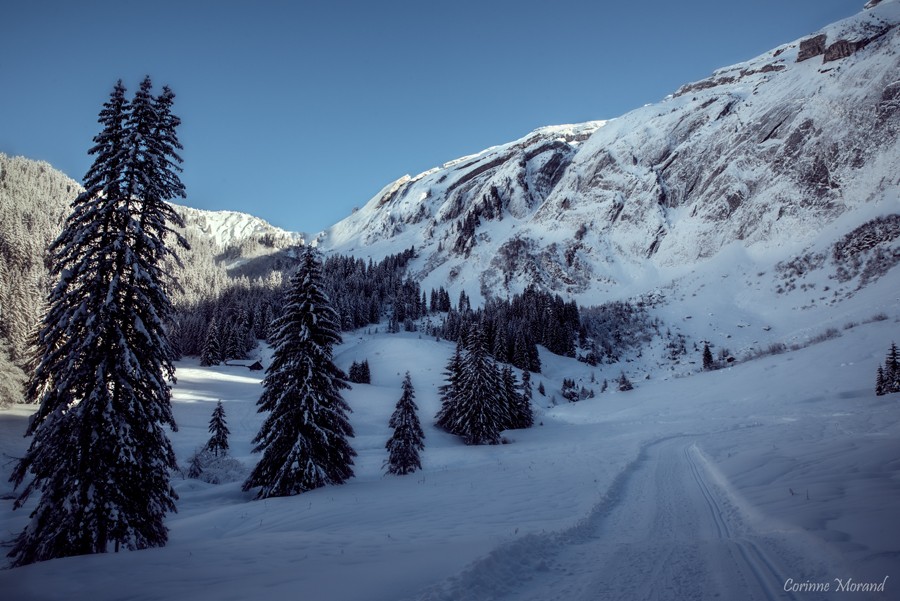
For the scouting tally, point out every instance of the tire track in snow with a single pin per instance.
(760, 565)
(661, 531)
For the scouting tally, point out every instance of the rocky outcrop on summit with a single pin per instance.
(763, 154)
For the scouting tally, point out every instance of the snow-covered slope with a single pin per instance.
(766, 154)
(226, 228)
(723, 485)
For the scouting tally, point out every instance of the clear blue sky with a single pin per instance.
(299, 111)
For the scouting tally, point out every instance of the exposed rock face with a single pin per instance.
(763, 154)
(811, 47)
(838, 50)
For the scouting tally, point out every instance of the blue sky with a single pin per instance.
(299, 111)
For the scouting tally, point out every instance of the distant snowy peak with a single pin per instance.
(765, 154)
(227, 228)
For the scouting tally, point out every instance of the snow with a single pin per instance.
(730, 484)
(723, 483)
(231, 227)
(738, 156)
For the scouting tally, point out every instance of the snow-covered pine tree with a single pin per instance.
(448, 415)
(509, 393)
(304, 437)
(406, 442)
(359, 372)
(353, 373)
(12, 378)
(99, 456)
(708, 362)
(892, 370)
(218, 427)
(483, 414)
(525, 416)
(234, 341)
(624, 383)
(879, 382)
(212, 347)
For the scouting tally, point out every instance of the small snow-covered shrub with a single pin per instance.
(206, 466)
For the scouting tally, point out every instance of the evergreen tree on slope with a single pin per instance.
(448, 415)
(708, 361)
(892, 370)
(483, 412)
(525, 414)
(406, 442)
(12, 378)
(99, 456)
(512, 401)
(218, 427)
(212, 348)
(304, 437)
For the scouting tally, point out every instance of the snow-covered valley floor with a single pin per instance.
(734, 484)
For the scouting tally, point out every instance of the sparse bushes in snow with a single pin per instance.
(609, 331)
(624, 383)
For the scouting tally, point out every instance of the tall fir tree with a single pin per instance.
(405, 443)
(448, 415)
(304, 437)
(483, 412)
(100, 457)
(212, 345)
(892, 370)
(509, 393)
(218, 427)
(525, 416)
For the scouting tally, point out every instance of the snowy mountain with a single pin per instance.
(756, 211)
(769, 155)
(227, 228)
(34, 203)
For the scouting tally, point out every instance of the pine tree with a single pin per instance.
(880, 387)
(509, 395)
(212, 347)
(526, 414)
(359, 372)
(892, 370)
(304, 437)
(12, 379)
(448, 415)
(234, 341)
(406, 442)
(99, 456)
(483, 414)
(708, 362)
(624, 383)
(219, 430)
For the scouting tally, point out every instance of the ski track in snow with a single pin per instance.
(663, 530)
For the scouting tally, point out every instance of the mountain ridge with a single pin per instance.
(767, 153)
